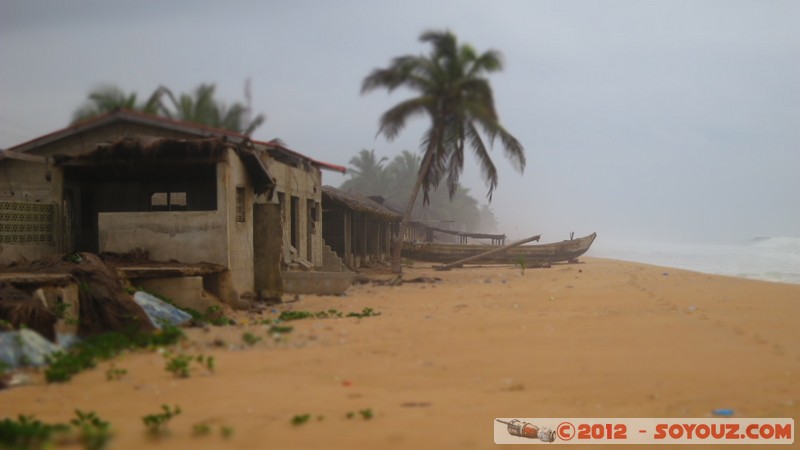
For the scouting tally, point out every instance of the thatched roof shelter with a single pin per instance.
(359, 203)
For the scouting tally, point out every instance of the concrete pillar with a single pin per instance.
(267, 248)
(348, 241)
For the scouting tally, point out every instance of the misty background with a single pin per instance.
(669, 121)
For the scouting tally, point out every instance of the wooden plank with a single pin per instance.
(33, 278)
(133, 272)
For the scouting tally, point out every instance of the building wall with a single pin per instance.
(186, 236)
(305, 184)
(232, 176)
(22, 181)
(194, 236)
(25, 182)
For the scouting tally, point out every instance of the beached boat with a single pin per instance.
(532, 255)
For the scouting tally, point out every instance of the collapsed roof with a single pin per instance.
(152, 150)
(276, 148)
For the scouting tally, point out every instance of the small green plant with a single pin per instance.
(95, 433)
(328, 313)
(280, 329)
(286, 316)
(350, 414)
(300, 419)
(521, 263)
(201, 429)
(227, 432)
(294, 315)
(29, 433)
(207, 361)
(157, 423)
(366, 413)
(115, 374)
(87, 353)
(214, 316)
(60, 309)
(250, 338)
(366, 312)
(74, 258)
(179, 365)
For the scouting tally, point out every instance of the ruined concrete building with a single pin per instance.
(180, 191)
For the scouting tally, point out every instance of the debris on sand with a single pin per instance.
(20, 309)
(104, 303)
(25, 347)
(160, 312)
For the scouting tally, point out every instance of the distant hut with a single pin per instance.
(358, 228)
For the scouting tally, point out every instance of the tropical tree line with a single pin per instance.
(394, 180)
(198, 106)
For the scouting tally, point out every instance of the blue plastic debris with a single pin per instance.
(25, 348)
(160, 312)
(722, 412)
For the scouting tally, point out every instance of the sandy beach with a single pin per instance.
(601, 338)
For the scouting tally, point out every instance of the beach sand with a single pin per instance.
(601, 338)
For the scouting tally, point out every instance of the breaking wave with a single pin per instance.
(764, 258)
(782, 244)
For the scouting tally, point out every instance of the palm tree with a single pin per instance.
(367, 174)
(402, 172)
(198, 107)
(107, 98)
(459, 102)
(201, 107)
(394, 182)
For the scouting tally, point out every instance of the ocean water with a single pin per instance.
(771, 259)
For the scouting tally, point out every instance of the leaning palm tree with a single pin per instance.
(457, 98)
(107, 98)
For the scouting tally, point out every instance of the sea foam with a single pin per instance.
(763, 258)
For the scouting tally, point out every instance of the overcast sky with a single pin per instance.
(662, 120)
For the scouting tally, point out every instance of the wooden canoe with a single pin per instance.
(532, 255)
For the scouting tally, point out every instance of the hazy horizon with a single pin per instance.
(661, 120)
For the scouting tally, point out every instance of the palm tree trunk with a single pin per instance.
(397, 259)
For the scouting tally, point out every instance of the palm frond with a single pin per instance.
(488, 169)
(393, 120)
(255, 123)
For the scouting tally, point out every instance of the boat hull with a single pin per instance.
(530, 255)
